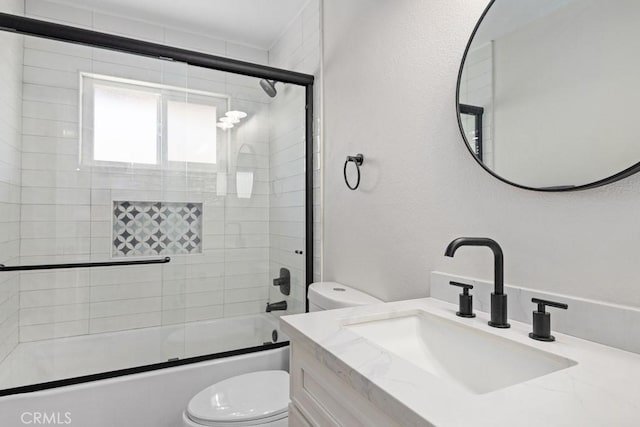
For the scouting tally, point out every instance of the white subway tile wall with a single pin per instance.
(11, 54)
(67, 206)
(297, 49)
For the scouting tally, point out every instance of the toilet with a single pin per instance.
(262, 398)
(330, 295)
(254, 399)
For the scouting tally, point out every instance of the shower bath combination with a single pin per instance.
(140, 313)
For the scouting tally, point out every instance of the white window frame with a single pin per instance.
(165, 93)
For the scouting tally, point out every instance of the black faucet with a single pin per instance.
(276, 306)
(498, 297)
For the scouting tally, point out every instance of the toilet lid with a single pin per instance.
(254, 396)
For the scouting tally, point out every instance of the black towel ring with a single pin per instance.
(358, 159)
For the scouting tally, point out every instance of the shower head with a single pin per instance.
(269, 86)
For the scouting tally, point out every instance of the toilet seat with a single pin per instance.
(245, 400)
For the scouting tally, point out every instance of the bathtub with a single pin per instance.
(55, 359)
(154, 398)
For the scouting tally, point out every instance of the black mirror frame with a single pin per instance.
(613, 178)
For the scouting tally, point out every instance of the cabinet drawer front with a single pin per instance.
(327, 400)
(296, 419)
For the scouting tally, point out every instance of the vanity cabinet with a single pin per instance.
(320, 397)
(415, 363)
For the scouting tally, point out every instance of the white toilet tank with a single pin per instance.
(330, 295)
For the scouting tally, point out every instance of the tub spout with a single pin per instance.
(276, 306)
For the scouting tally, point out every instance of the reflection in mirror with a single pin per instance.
(471, 118)
(548, 90)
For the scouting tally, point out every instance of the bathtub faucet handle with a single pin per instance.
(283, 281)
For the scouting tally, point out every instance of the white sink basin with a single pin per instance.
(478, 361)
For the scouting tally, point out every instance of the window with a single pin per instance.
(191, 132)
(127, 122)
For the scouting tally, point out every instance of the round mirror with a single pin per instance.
(547, 92)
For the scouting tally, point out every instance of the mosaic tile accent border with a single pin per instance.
(156, 228)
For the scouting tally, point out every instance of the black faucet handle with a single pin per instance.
(542, 303)
(283, 281)
(542, 319)
(465, 288)
(466, 300)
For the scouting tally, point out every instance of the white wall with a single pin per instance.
(298, 49)
(390, 72)
(11, 53)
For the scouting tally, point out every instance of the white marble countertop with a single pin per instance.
(602, 389)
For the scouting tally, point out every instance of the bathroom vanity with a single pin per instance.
(415, 363)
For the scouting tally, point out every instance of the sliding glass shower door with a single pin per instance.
(118, 158)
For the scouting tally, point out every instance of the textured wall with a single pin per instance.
(390, 73)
